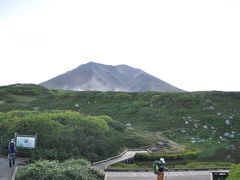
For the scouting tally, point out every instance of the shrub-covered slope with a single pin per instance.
(206, 121)
(65, 134)
(61, 134)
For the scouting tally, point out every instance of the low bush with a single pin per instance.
(200, 164)
(147, 165)
(168, 157)
(234, 172)
(71, 169)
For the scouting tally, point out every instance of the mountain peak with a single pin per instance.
(93, 76)
(91, 63)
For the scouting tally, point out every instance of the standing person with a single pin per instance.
(11, 153)
(158, 167)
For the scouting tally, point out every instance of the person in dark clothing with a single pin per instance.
(11, 153)
(158, 167)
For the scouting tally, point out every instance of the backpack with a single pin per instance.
(11, 147)
(157, 167)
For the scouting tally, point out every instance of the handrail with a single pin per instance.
(121, 154)
(108, 159)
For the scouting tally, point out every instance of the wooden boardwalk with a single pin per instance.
(122, 157)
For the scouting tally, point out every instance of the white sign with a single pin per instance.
(26, 142)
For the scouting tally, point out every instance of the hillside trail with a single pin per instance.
(165, 145)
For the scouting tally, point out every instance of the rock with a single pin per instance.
(183, 131)
(205, 127)
(226, 134)
(210, 108)
(208, 100)
(161, 143)
(201, 140)
(230, 135)
(232, 146)
(153, 149)
(36, 108)
(77, 105)
(220, 137)
(128, 124)
(227, 122)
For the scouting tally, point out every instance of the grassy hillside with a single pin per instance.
(206, 121)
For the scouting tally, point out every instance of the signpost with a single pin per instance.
(26, 141)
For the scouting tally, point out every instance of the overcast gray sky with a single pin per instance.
(191, 44)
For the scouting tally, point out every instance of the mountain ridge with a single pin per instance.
(100, 77)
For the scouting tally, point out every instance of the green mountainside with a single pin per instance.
(208, 122)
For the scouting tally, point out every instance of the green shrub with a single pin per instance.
(140, 104)
(71, 169)
(168, 157)
(62, 134)
(181, 164)
(234, 172)
(200, 164)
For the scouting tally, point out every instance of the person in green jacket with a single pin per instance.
(158, 168)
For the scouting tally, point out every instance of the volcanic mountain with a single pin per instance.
(99, 77)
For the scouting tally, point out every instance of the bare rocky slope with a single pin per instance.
(99, 77)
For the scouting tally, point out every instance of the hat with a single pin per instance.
(163, 160)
